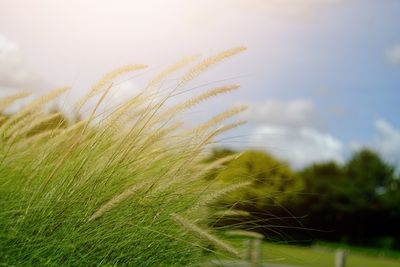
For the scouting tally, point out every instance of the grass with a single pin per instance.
(320, 257)
(368, 251)
(112, 188)
(317, 256)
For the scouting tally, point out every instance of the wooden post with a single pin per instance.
(256, 256)
(252, 246)
(340, 258)
(247, 249)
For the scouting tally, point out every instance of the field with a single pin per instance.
(318, 256)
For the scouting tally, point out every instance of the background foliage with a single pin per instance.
(357, 202)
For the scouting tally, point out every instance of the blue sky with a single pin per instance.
(321, 77)
(343, 53)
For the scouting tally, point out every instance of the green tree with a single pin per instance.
(326, 188)
(350, 201)
(358, 185)
(272, 181)
(369, 177)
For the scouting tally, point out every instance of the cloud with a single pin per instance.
(298, 112)
(13, 72)
(287, 7)
(125, 90)
(392, 55)
(299, 146)
(388, 141)
(206, 11)
(289, 131)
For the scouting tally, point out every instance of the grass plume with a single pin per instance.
(101, 190)
(208, 62)
(202, 233)
(103, 82)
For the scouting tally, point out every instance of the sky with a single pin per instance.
(321, 77)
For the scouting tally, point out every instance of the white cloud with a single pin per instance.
(392, 55)
(300, 146)
(298, 112)
(287, 7)
(124, 91)
(209, 11)
(388, 141)
(13, 72)
(289, 130)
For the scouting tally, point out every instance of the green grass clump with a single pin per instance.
(112, 188)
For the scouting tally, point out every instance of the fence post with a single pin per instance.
(340, 258)
(252, 246)
(256, 257)
(247, 249)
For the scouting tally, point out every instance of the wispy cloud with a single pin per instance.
(299, 146)
(392, 55)
(287, 7)
(13, 72)
(297, 112)
(289, 130)
(388, 141)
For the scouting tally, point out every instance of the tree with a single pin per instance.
(325, 188)
(350, 201)
(369, 177)
(357, 202)
(272, 182)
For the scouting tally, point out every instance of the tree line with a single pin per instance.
(357, 202)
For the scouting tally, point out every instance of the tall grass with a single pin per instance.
(112, 188)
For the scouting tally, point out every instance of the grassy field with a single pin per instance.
(274, 254)
(319, 257)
